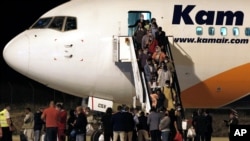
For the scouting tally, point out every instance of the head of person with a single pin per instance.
(136, 110)
(159, 28)
(7, 106)
(166, 59)
(139, 24)
(158, 49)
(153, 20)
(145, 50)
(149, 61)
(59, 106)
(164, 66)
(153, 109)
(119, 108)
(27, 110)
(141, 17)
(150, 37)
(79, 109)
(233, 114)
(166, 113)
(158, 91)
(154, 25)
(178, 112)
(194, 114)
(40, 110)
(72, 112)
(200, 111)
(87, 110)
(51, 103)
(126, 108)
(149, 32)
(109, 110)
(142, 113)
(206, 111)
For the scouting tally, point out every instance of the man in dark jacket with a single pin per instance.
(130, 124)
(39, 123)
(119, 124)
(106, 122)
(209, 127)
(80, 125)
(142, 128)
(233, 120)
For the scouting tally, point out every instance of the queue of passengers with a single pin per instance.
(154, 61)
(48, 124)
(124, 124)
(130, 124)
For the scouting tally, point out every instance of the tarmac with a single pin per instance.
(17, 138)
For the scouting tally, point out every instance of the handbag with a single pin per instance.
(178, 137)
(191, 132)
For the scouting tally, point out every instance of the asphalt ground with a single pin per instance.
(17, 138)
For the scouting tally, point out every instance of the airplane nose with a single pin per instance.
(16, 54)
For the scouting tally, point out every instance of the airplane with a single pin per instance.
(84, 48)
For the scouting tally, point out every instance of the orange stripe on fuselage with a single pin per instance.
(218, 90)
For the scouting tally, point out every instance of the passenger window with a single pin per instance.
(211, 31)
(236, 31)
(57, 23)
(70, 24)
(247, 31)
(199, 30)
(223, 31)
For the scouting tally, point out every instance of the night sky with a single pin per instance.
(16, 16)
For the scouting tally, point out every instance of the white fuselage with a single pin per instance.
(80, 62)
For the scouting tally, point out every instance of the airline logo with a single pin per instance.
(203, 17)
(207, 17)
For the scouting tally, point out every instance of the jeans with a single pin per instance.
(37, 134)
(80, 137)
(165, 135)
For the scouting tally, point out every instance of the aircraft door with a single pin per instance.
(133, 17)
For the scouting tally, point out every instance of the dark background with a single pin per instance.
(17, 16)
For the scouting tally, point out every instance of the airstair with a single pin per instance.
(176, 85)
(124, 51)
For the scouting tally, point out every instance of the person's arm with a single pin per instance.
(26, 118)
(171, 78)
(175, 126)
(1, 132)
(8, 119)
(8, 122)
(159, 76)
(134, 25)
(43, 116)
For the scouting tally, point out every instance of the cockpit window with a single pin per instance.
(70, 23)
(42, 23)
(59, 23)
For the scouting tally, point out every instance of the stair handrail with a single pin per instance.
(176, 85)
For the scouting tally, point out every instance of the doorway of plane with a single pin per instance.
(133, 17)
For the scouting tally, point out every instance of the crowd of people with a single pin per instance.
(125, 124)
(47, 124)
(151, 49)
